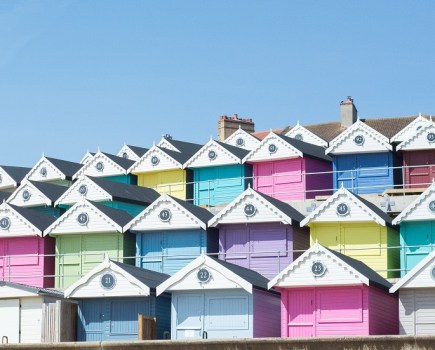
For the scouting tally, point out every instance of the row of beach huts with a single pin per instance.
(210, 240)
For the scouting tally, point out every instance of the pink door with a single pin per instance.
(263, 179)
(287, 179)
(2, 259)
(301, 317)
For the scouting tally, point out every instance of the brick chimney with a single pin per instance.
(349, 114)
(229, 125)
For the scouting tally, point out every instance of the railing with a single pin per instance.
(210, 198)
(8, 274)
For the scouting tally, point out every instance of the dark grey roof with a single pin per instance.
(122, 162)
(180, 157)
(284, 207)
(51, 191)
(41, 291)
(253, 277)
(201, 213)
(17, 173)
(139, 151)
(306, 148)
(121, 217)
(150, 278)
(183, 146)
(125, 192)
(65, 167)
(237, 151)
(4, 196)
(375, 209)
(38, 219)
(374, 278)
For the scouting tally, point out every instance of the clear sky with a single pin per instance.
(76, 75)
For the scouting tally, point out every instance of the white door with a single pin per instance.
(10, 320)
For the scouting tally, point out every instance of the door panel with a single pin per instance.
(362, 241)
(189, 318)
(373, 165)
(300, 307)
(237, 246)
(338, 305)
(288, 171)
(417, 243)
(152, 250)
(10, 320)
(345, 174)
(124, 318)
(268, 241)
(90, 325)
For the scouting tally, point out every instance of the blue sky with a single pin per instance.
(78, 75)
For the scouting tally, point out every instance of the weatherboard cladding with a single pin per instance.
(306, 135)
(306, 148)
(11, 176)
(39, 220)
(422, 139)
(411, 129)
(242, 139)
(66, 167)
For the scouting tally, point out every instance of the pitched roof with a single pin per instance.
(17, 173)
(37, 290)
(119, 216)
(183, 146)
(139, 151)
(51, 191)
(66, 167)
(284, 207)
(262, 134)
(122, 162)
(306, 148)
(236, 151)
(126, 192)
(201, 213)
(38, 219)
(4, 195)
(180, 157)
(326, 131)
(148, 277)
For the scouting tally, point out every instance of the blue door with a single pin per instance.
(189, 316)
(344, 172)
(110, 319)
(374, 174)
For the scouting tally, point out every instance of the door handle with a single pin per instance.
(204, 335)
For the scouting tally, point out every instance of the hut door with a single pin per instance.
(10, 320)
(189, 316)
(417, 243)
(419, 173)
(301, 319)
(151, 249)
(2, 259)
(236, 246)
(91, 320)
(263, 178)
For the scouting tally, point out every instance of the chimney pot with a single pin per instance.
(349, 113)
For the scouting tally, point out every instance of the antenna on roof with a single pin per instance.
(419, 114)
(297, 123)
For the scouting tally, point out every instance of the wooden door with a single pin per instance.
(91, 320)
(263, 178)
(301, 316)
(180, 248)
(2, 259)
(205, 183)
(418, 172)
(10, 320)
(344, 172)
(417, 240)
(236, 245)
(68, 260)
(287, 178)
(151, 249)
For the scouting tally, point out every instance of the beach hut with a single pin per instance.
(34, 315)
(327, 294)
(352, 225)
(26, 254)
(84, 233)
(260, 233)
(301, 133)
(284, 168)
(11, 177)
(108, 166)
(219, 173)
(131, 152)
(170, 233)
(242, 139)
(130, 198)
(112, 296)
(40, 196)
(55, 171)
(161, 168)
(215, 299)
(417, 229)
(417, 298)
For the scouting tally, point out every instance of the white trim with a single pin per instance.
(212, 143)
(315, 249)
(404, 145)
(41, 161)
(240, 133)
(342, 191)
(6, 207)
(92, 162)
(207, 262)
(407, 129)
(299, 129)
(138, 167)
(82, 180)
(280, 216)
(35, 191)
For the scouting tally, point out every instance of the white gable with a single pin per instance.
(303, 134)
(249, 207)
(5, 180)
(164, 143)
(273, 147)
(411, 129)
(423, 139)
(342, 206)
(86, 158)
(27, 195)
(100, 166)
(107, 280)
(83, 217)
(220, 278)
(12, 224)
(164, 214)
(127, 153)
(422, 208)
(155, 159)
(359, 138)
(421, 276)
(83, 188)
(335, 271)
(44, 170)
(242, 139)
(212, 154)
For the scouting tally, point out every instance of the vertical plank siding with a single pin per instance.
(177, 183)
(266, 309)
(383, 312)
